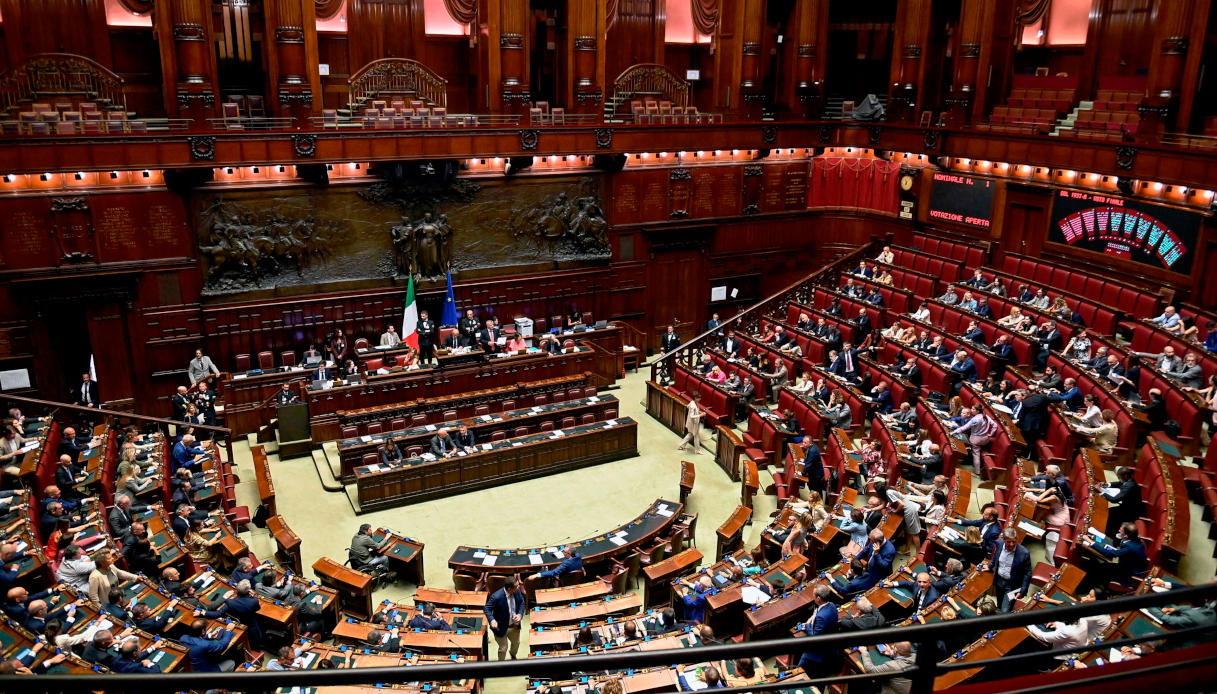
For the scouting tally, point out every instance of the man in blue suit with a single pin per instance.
(207, 654)
(882, 399)
(859, 580)
(924, 593)
(505, 609)
(242, 606)
(818, 661)
(1071, 395)
(186, 454)
(878, 555)
(1129, 552)
(964, 366)
(571, 561)
(1011, 569)
(990, 528)
(1004, 353)
(693, 598)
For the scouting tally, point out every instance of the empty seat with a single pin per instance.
(509, 405)
(242, 361)
(397, 424)
(481, 410)
(266, 361)
(350, 432)
(559, 397)
(375, 428)
(589, 418)
(520, 431)
(568, 422)
(287, 358)
(450, 416)
(539, 400)
(547, 426)
(418, 420)
(498, 436)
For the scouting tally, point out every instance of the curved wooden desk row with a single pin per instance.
(644, 529)
(496, 462)
(363, 450)
(266, 485)
(468, 633)
(465, 403)
(324, 405)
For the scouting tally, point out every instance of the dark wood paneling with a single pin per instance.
(636, 37)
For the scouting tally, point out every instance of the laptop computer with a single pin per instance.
(601, 325)
(318, 385)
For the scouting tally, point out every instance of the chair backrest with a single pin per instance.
(559, 397)
(361, 343)
(418, 420)
(414, 450)
(350, 432)
(509, 405)
(450, 416)
(401, 359)
(375, 428)
(520, 431)
(547, 426)
(498, 436)
(481, 410)
(287, 358)
(568, 344)
(540, 399)
(266, 360)
(539, 326)
(555, 321)
(568, 422)
(589, 418)
(374, 364)
(397, 424)
(558, 116)
(242, 362)
(370, 459)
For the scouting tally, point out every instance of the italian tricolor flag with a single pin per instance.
(409, 321)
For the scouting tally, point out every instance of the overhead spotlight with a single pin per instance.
(113, 175)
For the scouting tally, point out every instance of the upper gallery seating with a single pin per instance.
(1114, 109)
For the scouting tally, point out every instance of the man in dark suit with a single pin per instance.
(138, 551)
(868, 617)
(1048, 340)
(144, 619)
(488, 339)
(426, 338)
(990, 528)
(983, 309)
(464, 438)
(862, 326)
(1126, 505)
(428, 620)
(670, 340)
(731, 343)
(821, 662)
(571, 561)
(974, 333)
(1004, 353)
(442, 445)
(86, 395)
(324, 373)
(1128, 550)
(504, 609)
(832, 337)
(882, 399)
(930, 464)
(904, 418)
(849, 362)
(924, 593)
(938, 350)
(181, 520)
(1154, 409)
(1010, 565)
(910, 371)
(179, 401)
(813, 466)
(1031, 414)
(65, 479)
(879, 553)
(468, 328)
(241, 605)
(1071, 395)
(780, 337)
(286, 395)
(72, 446)
(963, 366)
(122, 516)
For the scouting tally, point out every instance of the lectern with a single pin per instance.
(295, 434)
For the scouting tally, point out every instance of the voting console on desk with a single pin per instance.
(293, 422)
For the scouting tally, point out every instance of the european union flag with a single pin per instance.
(450, 315)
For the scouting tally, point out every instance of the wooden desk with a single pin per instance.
(464, 599)
(354, 587)
(657, 577)
(496, 463)
(405, 554)
(729, 451)
(730, 533)
(266, 485)
(483, 427)
(324, 405)
(598, 550)
(629, 603)
(210, 589)
(468, 633)
(286, 541)
(563, 595)
(750, 481)
(779, 610)
(688, 475)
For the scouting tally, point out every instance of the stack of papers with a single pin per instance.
(489, 559)
(535, 559)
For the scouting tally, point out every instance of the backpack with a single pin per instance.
(260, 515)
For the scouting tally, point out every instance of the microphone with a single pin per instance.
(459, 647)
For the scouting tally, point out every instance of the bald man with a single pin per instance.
(9, 569)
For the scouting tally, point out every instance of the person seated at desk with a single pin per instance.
(207, 653)
(878, 555)
(453, 341)
(693, 598)
(1128, 550)
(245, 571)
(311, 356)
(364, 549)
(286, 395)
(516, 343)
(1186, 616)
(240, 604)
(389, 453)
(867, 618)
(923, 590)
(390, 338)
(901, 654)
(442, 445)
(428, 620)
(325, 373)
(142, 617)
(946, 578)
(350, 370)
(857, 579)
(549, 344)
(272, 588)
(586, 638)
(186, 454)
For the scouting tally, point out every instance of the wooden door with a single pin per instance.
(676, 294)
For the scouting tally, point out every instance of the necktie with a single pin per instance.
(849, 362)
(1017, 408)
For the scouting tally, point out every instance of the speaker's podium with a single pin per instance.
(295, 434)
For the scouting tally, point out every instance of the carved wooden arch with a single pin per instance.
(401, 77)
(327, 8)
(137, 6)
(650, 81)
(51, 74)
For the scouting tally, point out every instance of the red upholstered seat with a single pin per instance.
(374, 364)
(287, 358)
(498, 436)
(397, 424)
(375, 428)
(266, 361)
(242, 362)
(568, 422)
(520, 431)
(350, 432)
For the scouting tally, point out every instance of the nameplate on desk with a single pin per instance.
(366, 439)
(489, 559)
(535, 559)
(237, 377)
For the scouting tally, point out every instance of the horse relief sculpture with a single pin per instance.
(423, 248)
(567, 227)
(243, 247)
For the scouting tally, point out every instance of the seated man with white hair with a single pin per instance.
(186, 454)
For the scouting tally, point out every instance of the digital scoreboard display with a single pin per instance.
(1149, 234)
(962, 200)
